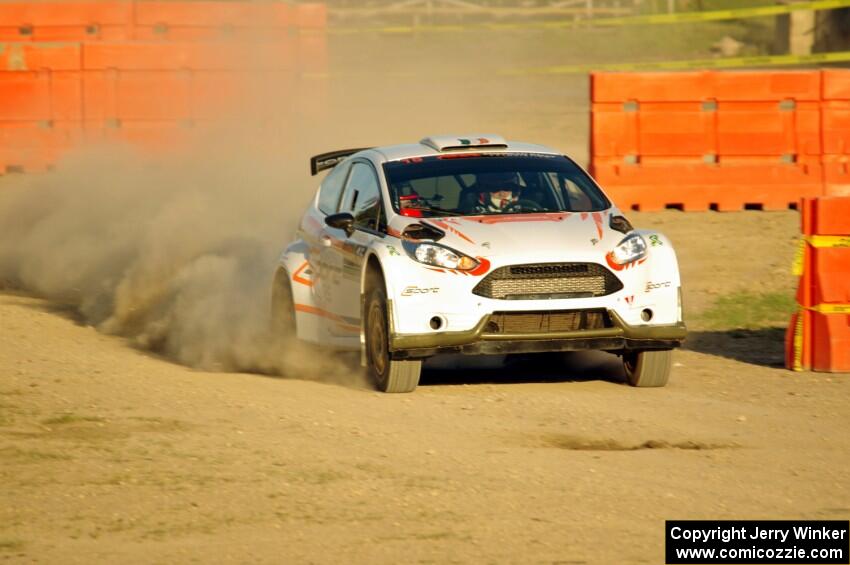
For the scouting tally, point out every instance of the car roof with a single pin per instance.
(428, 147)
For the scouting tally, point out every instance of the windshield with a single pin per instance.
(477, 184)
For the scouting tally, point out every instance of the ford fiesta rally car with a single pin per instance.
(474, 245)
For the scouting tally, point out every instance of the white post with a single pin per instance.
(802, 32)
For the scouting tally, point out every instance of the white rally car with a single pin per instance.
(474, 245)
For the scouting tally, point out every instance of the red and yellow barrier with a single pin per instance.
(721, 140)
(818, 336)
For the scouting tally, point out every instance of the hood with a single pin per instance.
(549, 236)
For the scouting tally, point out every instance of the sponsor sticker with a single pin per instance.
(415, 290)
(650, 286)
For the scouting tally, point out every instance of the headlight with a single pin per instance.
(439, 256)
(630, 249)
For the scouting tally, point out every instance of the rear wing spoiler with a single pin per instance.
(330, 160)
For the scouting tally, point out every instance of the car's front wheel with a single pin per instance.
(647, 368)
(389, 375)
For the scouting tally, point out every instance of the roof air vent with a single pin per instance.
(461, 142)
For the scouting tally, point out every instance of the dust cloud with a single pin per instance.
(176, 250)
(175, 254)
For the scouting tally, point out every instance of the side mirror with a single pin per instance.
(341, 221)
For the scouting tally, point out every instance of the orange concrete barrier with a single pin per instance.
(37, 56)
(152, 20)
(836, 112)
(143, 92)
(818, 336)
(151, 73)
(65, 21)
(310, 15)
(40, 103)
(707, 139)
(836, 132)
(193, 21)
(42, 97)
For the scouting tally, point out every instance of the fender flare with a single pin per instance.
(664, 260)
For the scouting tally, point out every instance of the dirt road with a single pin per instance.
(110, 454)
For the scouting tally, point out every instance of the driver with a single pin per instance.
(497, 192)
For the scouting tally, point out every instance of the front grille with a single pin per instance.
(543, 322)
(543, 281)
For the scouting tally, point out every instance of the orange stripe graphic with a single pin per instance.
(325, 314)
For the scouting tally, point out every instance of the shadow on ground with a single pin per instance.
(765, 346)
(538, 368)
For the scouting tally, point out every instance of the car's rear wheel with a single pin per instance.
(388, 374)
(647, 368)
(282, 308)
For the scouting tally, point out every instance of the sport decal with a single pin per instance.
(654, 241)
(650, 286)
(414, 290)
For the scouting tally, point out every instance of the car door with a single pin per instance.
(325, 271)
(362, 199)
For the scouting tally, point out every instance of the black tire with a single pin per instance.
(389, 375)
(282, 308)
(648, 368)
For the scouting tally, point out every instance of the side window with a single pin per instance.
(332, 188)
(363, 197)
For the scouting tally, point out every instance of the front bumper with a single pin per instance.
(477, 341)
